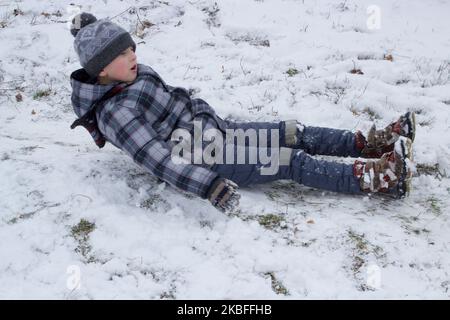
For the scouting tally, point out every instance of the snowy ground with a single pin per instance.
(70, 211)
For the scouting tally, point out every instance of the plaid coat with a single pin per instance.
(140, 119)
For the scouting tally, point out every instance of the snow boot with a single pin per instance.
(391, 175)
(379, 142)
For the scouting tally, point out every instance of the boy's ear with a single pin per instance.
(102, 73)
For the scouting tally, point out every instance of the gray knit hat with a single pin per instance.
(98, 42)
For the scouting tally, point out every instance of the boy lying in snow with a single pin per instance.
(129, 105)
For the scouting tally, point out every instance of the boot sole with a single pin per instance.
(404, 148)
(411, 122)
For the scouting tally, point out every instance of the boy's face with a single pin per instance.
(122, 68)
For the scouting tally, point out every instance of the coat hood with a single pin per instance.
(86, 90)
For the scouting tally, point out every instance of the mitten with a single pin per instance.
(223, 195)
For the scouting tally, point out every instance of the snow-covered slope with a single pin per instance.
(78, 222)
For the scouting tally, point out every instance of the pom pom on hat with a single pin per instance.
(81, 20)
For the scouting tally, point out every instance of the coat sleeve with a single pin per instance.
(128, 129)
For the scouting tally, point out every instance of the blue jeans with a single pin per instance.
(300, 166)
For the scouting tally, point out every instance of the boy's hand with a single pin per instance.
(223, 195)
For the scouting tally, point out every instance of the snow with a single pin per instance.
(150, 241)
